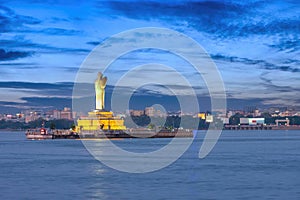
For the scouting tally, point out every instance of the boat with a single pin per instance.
(38, 134)
(43, 133)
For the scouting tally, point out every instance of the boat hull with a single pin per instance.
(38, 137)
(135, 134)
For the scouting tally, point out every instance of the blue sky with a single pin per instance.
(255, 45)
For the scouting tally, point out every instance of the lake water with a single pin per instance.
(242, 165)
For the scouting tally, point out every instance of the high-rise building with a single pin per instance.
(66, 114)
(136, 112)
(56, 114)
(149, 111)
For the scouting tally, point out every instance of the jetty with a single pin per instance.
(261, 127)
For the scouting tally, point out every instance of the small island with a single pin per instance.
(101, 123)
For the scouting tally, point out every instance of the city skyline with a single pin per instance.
(255, 45)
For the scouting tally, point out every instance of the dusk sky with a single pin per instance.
(255, 45)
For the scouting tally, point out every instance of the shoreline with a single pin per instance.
(236, 128)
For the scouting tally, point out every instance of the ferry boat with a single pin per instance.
(43, 133)
(38, 134)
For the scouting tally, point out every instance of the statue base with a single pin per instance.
(100, 120)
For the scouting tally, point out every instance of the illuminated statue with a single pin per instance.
(100, 84)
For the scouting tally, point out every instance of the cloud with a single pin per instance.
(13, 55)
(17, 64)
(56, 31)
(263, 64)
(32, 85)
(20, 42)
(20, 65)
(54, 102)
(47, 89)
(12, 22)
(70, 69)
(280, 85)
(59, 19)
(26, 95)
(238, 34)
(93, 43)
(290, 45)
(199, 15)
(152, 9)
(222, 18)
(36, 103)
(58, 95)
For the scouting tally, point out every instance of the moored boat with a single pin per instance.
(43, 133)
(38, 134)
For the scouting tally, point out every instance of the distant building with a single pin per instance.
(74, 115)
(202, 116)
(152, 112)
(32, 115)
(252, 121)
(66, 114)
(209, 118)
(56, 114)
(285, 122)
(149, 111)
(136, 112)
(285, 114)
(206, 116)
(225, 120)
(159, 113)
(256, 113)
(230, 113)
(172, 113)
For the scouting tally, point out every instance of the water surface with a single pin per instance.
(243, 165)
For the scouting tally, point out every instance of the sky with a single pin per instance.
(254, 44)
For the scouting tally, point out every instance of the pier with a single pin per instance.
(260, 127)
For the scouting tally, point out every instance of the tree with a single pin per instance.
(268, 118)
(52, 126)
(235, 119)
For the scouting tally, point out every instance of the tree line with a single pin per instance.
(169, 122)
(52, 124)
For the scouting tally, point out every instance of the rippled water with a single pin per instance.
(243, 165)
